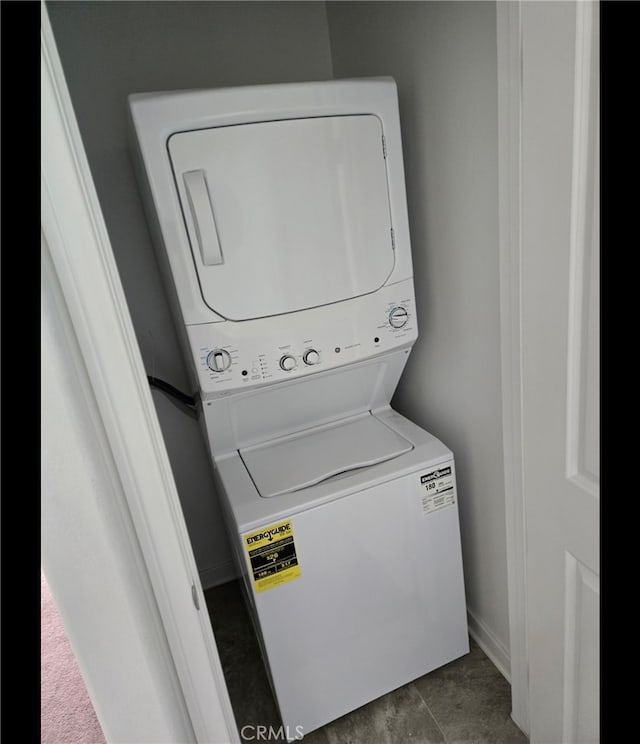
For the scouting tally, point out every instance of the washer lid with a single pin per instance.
(302, 460)
(285, 215)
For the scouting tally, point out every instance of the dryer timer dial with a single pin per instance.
(398, 317)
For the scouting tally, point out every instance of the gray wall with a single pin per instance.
(111, 49)
(443, 57)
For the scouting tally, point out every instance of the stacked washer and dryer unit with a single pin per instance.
(280, 221)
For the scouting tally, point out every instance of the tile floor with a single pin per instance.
(465, 702)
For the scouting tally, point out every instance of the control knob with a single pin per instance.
(288, 362)
(219, 360)
(398, 317)
(311, 356)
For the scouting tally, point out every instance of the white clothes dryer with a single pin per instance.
(279, 216)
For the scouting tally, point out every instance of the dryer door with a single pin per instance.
(285, 215)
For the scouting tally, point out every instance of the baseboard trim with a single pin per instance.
(491, 646)
(218, 574)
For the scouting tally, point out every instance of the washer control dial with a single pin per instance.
(398, 317)
(288, 362)
(311, 356)
(219, 360)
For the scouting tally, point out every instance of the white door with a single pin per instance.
(560, 357)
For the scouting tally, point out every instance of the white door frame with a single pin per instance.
(512, 58)
(74, 231)
(509, 41)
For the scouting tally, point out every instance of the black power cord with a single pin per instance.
(188, 400)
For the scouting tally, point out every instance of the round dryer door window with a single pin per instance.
(285, 215)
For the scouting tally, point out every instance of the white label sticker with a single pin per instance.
(438, 489)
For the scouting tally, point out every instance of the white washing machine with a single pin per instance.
(279, 215)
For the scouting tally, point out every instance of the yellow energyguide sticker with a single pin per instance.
(272, 555)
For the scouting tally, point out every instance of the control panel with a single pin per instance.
(231, 356)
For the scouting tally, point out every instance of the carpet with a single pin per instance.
(66, 712)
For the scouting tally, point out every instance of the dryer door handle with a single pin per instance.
(204, 223)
